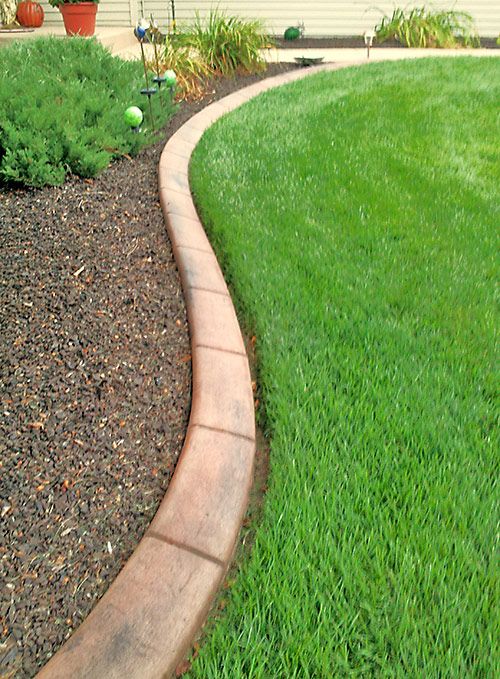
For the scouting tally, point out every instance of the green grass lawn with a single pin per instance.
(356, 216)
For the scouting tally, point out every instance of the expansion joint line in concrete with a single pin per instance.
(181, 545)
(224, 431)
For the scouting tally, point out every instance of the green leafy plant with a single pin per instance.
(421, 27)
(228, 43)
(70, 118)
(191, 70)
(217, 45)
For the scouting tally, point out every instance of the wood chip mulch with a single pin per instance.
(95, 382)
(349, 41)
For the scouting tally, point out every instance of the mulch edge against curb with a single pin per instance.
(146, 622)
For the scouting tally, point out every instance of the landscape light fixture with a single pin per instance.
(154, 37)
(140, 32)
(133, 116)
(170, 80)
(368, 36)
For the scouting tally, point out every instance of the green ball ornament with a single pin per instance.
(292, 33)
(170, 78)
(133, 116)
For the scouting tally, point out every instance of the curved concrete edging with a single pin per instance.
(145, 623)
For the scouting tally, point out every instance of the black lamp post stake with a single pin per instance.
(174, 25)
(148, 91)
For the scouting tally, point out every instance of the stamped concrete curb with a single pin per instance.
(145, 623)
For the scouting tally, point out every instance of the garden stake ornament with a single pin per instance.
(140, 33)
(154, 36)
(174, 23)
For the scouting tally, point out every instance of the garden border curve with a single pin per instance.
(146, 621)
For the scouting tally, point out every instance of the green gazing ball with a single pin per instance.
(170, 78)
(133, 116)
(292, 33)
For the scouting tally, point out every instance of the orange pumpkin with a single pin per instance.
(30, 14)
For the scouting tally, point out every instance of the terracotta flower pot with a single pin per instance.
(79, 18)
(30, 14)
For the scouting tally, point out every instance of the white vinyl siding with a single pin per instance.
(109, 13)
(324, 17)
(320, 17)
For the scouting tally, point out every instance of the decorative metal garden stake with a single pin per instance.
(174, 23)
(154, 35)
(148, 91)
(368, 36)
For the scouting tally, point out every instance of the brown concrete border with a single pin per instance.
(144, 624)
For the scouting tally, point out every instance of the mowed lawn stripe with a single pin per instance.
(356, 217)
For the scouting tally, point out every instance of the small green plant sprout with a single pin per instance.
(421, 27)
(133, 116)
(56, 3)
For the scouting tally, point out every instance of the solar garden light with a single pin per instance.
(155, 36)
(170, 80)
(133, 116)
(368, 36)
(140, 32)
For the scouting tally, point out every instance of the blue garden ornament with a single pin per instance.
(141, 29)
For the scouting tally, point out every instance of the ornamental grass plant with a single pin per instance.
(228, 43)
(61, 110)
(217, 45)
(191, 69)
(422, 27)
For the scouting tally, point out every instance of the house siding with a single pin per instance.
(324, 17)
(320, 17)
(109, 13)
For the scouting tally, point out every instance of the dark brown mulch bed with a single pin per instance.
(95, 380)
(352, 41)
